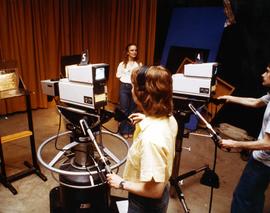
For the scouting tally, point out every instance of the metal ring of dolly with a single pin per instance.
(63, 172)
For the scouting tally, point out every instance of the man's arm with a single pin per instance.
(262, 144)
(245, 101)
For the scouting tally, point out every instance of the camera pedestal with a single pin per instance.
(182, 118)
(57, 207)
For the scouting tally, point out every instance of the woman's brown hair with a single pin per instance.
(156, 97)
(125, 56)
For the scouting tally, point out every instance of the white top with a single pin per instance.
(124, 73)
(264, 155)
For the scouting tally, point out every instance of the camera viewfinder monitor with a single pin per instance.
(100, 72)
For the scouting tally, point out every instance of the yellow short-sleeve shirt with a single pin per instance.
(152, 152)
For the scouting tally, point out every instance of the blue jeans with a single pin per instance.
(128, 106)
(139, 204)
(248, 196)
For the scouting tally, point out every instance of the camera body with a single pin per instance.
(197, 81)
(84, 85)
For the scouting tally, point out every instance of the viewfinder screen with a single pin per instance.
(100, 73)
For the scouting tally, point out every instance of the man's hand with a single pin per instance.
(228, 144)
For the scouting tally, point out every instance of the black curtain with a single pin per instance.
(244, 54)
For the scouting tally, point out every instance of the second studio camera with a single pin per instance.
(84, 86)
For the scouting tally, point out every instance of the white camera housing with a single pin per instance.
(90, 73)
(198, 80)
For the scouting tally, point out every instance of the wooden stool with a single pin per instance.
(228, 131)
(6, 181)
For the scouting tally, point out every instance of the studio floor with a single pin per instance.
(33, 192)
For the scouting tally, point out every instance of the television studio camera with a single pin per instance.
(192, 90)
(197, 82)
(91, 152)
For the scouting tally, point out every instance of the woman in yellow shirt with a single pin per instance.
(150, 158)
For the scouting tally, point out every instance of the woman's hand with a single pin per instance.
(136, 117)
(114, 180)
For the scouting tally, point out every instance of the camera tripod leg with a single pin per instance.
(183, 202)
(191, 173)
(176, 183)
(180, 194)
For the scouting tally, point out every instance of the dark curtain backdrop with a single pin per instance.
(36, 33)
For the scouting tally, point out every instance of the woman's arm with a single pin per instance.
(149, 189)
(119, 70)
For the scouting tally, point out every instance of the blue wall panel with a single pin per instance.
(195, 28)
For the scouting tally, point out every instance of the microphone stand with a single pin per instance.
(215, 137)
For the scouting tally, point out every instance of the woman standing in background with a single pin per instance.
(126, 103)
